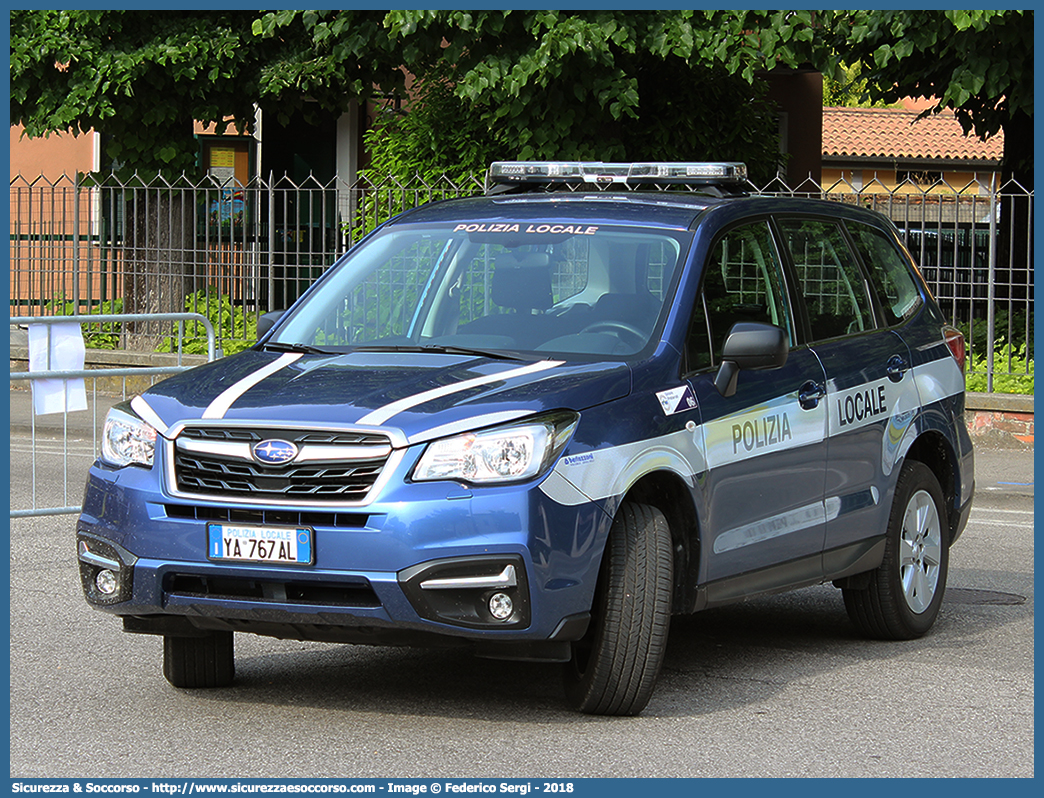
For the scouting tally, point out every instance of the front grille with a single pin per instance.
(219, 473)
(336, 594)
(216, 477)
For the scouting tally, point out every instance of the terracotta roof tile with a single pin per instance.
(893, 133)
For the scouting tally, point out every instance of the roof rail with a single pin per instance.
(725, 177)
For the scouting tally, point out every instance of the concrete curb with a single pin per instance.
(999, 420)
(1000, 402)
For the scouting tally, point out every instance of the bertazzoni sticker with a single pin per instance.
(677, 400)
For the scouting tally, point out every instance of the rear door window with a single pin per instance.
(889, 272)
(836, 295)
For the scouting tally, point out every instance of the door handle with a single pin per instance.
(896, 368)
(809, 395)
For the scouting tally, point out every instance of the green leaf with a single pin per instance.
(882, 54)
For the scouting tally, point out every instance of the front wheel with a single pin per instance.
(207, 661)
(905, 592)
(614, 668)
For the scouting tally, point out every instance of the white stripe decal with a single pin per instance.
(142, 408)
(382, 414)
(594, 476)
(768, 428)
(467, 425)
(939, 379)
(870, 403)
(224, 401)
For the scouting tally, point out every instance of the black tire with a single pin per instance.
(905, 592)
(191, 662)
(615, 666)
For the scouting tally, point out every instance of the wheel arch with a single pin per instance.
(933, 450)
(672, 496)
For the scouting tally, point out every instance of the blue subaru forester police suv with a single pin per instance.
(539, 423)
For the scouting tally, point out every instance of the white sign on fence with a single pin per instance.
(57, 347)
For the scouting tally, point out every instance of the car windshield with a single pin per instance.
(522, 289)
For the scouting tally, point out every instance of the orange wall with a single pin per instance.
(882, 180)
(51, 157)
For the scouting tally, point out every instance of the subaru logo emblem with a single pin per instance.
(274, 452)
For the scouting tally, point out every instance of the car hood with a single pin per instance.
(420, 395)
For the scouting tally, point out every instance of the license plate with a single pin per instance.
(281, 545)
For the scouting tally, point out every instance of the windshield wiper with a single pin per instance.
(306, 349)
(450, 349)
(441, 349)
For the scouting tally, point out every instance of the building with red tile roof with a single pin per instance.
(893, 148)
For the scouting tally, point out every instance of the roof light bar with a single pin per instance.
(599, 173)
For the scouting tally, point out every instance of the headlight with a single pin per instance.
(503, 454)
(127, 440)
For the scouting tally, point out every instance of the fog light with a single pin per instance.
(106, 582)
(501, 606)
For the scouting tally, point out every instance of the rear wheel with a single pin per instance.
(905, 592)
(615, 666)
(207, 661)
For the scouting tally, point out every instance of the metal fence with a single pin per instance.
(60, 446)
(231, 252)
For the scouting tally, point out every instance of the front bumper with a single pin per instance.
(419, 566)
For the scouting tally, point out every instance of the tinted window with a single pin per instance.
(889, 272)
(742, 281)
(829, 278)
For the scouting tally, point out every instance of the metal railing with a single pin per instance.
(56, 443)
(232, 252)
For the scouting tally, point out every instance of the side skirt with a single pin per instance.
(834, 565)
